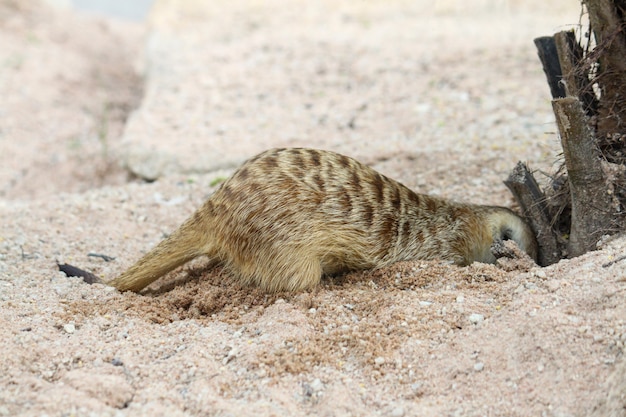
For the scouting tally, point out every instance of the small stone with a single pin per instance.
(397, 412)
(312, 310)
(379, 360)
(229, 356)
(460, 299)
(425, 303)
(479, 366)
(530, 286)
(69, 328)
(476, 318)
(417, 386)
(62, 290)
(540, 274)
(317, 385)
(553, 286)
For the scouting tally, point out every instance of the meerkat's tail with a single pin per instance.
(179, 248)
(506, 225)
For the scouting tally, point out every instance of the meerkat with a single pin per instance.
(287, 217)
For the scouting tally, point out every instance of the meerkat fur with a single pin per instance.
(289, 216)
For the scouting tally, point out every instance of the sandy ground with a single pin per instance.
(444, 96)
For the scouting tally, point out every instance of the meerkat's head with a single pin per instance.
(503, 225)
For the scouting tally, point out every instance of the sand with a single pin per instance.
(113, 132)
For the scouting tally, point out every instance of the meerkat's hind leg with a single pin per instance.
(294, 273)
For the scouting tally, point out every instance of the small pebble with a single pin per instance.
(460, 299)
(476, 318)
(425, 303)
(479, 366)
(62, 290)
(397, 412)
(417, 386)
(69, 328)
(530, 286)
(317, 385)
(229, 356)
(379, 360)
(553, 286)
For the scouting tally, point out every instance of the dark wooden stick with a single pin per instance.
(546, 49)
(105, 258)
(569, 55)
(531, 199)
(591, 203)
(72, 271)
(614, 261)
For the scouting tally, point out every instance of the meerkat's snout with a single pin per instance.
(506, 225)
